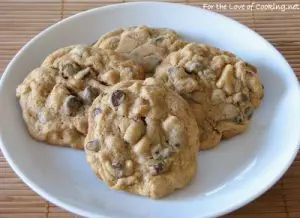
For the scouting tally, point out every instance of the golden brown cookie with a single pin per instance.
(143, 44)
(55, 97)
(142, 138)
(221, 89)
(105, 66)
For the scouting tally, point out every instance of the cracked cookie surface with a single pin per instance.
(55, 97)
(221, 89)
(142, 138)
(143, 44)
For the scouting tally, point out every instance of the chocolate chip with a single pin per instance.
(119, 172)
(156, 151)
(116, 164)
(103, 83)
(93, 146)
(238, 118)
(97, 111)
(160, 153)
(251, 69)
(172, 70)
(127, 70)
(217, 131)
(117, 97)
(158, 38)
(89, 94)
(248, 112)
(192, 67)
(69, 69)
(144, 120)
(157, 168)
(244, 97)
(71, 105)
(250, 72)
(238, 98)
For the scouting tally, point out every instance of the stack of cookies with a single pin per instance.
(141, 102)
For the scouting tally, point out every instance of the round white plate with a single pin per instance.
(231, 175)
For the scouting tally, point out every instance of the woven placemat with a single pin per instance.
(21, 20)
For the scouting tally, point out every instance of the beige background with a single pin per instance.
(21, 20)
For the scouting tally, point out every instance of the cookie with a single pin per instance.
(55, 97)
(143, 44)
(142, 138)
(105, 66)
(222, 90)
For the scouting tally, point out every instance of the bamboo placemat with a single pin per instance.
(20, 20)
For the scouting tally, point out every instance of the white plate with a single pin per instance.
(229, 176)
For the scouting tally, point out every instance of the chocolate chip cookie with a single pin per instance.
(142, 138)
(146, 45)
(221, 89)
(55, 97)
(78, 62)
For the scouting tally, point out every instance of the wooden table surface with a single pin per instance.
(20, 20)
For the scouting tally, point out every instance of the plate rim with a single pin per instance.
(69, 207)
